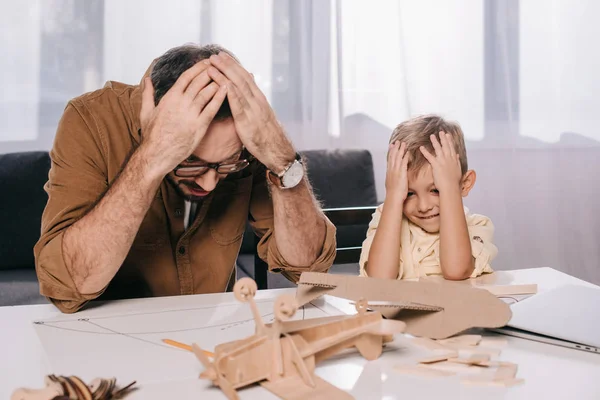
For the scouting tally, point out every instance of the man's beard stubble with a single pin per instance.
(177, 185)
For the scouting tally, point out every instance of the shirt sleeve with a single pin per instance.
(481, 233)
(262, 222)
(366, 245)
(77, 178)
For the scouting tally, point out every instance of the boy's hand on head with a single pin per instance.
(445, 163)
(396, 179)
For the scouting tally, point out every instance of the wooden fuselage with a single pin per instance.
(251, 360)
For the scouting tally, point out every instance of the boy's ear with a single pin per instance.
(467, 183)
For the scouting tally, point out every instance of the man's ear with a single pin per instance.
(467, 182)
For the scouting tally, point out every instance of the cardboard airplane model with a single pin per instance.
(281, 356)
(436, 310)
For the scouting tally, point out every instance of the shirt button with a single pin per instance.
(182, 250)
(178, 212)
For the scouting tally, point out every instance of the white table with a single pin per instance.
(550, 372)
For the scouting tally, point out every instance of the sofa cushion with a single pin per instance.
(22, 179)
(19, 287)
(341, 178)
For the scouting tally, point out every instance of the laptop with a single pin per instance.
(567, 316)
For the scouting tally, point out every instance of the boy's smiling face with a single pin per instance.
(422, 204)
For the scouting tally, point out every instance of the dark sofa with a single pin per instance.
(340, 178)
(22, 201)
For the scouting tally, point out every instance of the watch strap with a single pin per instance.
(276, 178)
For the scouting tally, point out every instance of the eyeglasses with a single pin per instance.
(198, 169)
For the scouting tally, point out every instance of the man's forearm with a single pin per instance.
(456, 260)
(384, 254)
(300, 227)
(95, 246)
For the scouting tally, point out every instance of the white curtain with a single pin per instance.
(519, 76)
(20, 25)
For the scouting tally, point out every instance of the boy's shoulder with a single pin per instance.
(376, 215)
(477, 219)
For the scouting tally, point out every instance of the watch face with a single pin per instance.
(293, 175)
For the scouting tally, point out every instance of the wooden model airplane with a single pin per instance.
(435, 310)
(282, 356)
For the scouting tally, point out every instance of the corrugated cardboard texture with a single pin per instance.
(462, 306)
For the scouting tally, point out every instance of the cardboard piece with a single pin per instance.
(432, 345)
(506, 370)
(434, 310)
(465, 340)
(509, 290)
(435, 358)
(282, 356)
(475, 369)
(474, 349)
(455, 367)
(473, 359)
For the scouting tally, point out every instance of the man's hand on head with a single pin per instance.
(172, 130)
(255, 120)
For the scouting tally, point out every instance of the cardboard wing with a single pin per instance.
(435, 310)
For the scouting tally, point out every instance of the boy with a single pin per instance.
(422, 228)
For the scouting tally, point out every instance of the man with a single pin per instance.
(151, 186)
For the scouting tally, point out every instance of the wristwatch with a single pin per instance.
(290, 177)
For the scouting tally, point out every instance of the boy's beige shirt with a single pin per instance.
(420, 251)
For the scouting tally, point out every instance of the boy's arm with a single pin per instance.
(384, 254)
(456, 260)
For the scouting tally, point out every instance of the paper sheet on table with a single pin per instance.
(129, 345)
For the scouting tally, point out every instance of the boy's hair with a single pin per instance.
(169, 67)
(416, 132)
